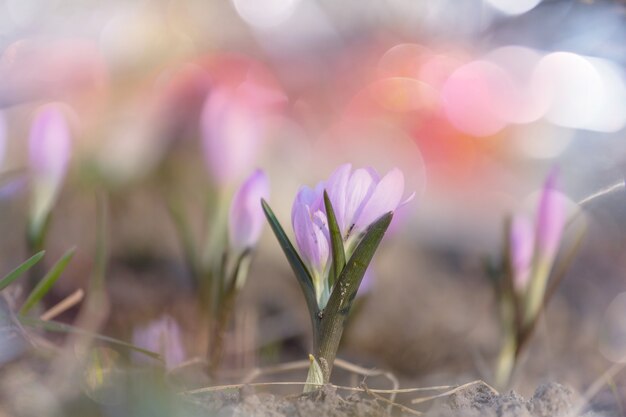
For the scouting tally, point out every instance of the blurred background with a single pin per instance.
(475, 100)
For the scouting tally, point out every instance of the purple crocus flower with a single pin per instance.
(230, 135)
(246, 219)
(358, 198)
(361, 196)
(162, 336)
(49, 155)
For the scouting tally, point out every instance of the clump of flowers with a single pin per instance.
(338, 226)
(232, 135)
(521, 279)
(222, 274)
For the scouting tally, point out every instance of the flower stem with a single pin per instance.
(506, 360)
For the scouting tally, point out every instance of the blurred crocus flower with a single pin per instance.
(246, 218)
(231, 135)
(49, 155)
(3, 140)
(358, 198)
(162, 336)
(550, 219)
(537, 248)
(521, 246)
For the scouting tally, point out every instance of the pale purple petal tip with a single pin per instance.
(49, 144)
(246, 217)
(385, 198)
(521, 250)
(551, 216)
(336, 187)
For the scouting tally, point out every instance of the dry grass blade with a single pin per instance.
(217, 388)
(452, 391)
(395, 384)
(618, 186)
(596, 387)
(340, 363)
(390, 402)
(64, 305)
(276, 369)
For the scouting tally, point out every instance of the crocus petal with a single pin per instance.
(49, 144)
(360, 188)
(336, 187)
(230, 136)
(521, 250)
(310, 238)
(49, 154)
(246, 217)
(385, 198)
(306, 196)
(162, 336)
(550, 218)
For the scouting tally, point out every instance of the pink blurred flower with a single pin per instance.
(246, 218)
(162, 336)
(49, 155)
(49, 143)
(231, 135)
(358, 198)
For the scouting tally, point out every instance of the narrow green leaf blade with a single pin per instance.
(348, 282)
(302, 274)
(55, 326)
(340, 301)
(20, 270)
(46, 283)
(336, 242)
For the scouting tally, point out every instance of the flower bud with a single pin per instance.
(246, 218)
(162, 336)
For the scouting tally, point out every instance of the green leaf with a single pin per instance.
(19, 271)
(352, 274)
(55, 326)
(47, 282)
(298, 267)
(336, 242)
(340, 301)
